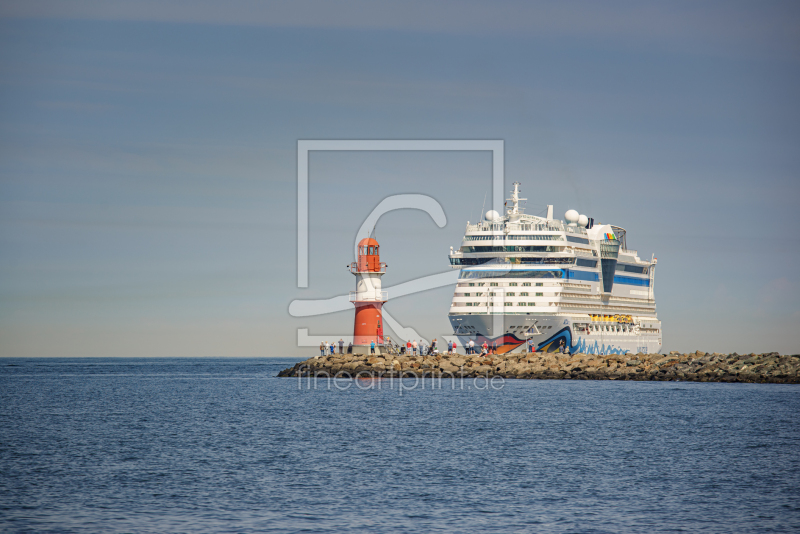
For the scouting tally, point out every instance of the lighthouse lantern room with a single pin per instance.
(368, 297)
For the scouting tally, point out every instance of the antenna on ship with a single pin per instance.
(515, 200)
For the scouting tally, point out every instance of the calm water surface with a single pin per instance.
(177, 445)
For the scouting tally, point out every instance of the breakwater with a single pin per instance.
(697, 366)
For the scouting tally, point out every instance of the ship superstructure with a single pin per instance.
(526, 278)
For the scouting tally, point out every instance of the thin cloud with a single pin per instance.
(75, 106)
(769, 26)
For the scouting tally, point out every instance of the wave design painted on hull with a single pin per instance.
(596, 348)
(502, 344)
(551, 345)
(509, 342)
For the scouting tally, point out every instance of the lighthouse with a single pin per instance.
(368, 297)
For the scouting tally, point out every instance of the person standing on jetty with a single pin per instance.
(325, 349)
(372, 347)
(333, 348)
(454, 347)
(414, 347)
(471, 349)
(350, 348)
(321, 348)
(341, 346)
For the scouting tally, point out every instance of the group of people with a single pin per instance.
(413, 347)
(562, 347)
(330, 348)
(483, 350)
(473, 349)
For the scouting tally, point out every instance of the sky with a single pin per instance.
(148, 160)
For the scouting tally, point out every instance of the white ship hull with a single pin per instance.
(513, 333)
(572, 284)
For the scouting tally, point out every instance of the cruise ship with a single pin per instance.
(537, 282)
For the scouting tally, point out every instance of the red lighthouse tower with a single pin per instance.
(368, 297)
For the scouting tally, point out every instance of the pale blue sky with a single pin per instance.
(148, 149)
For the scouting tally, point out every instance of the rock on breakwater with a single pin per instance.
(697, 366)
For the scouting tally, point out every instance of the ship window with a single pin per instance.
(539, 284)
(572, 239)
(468, 261)
(507, 303)
(523, 294)
(511, 274)
(512, 249)
(523, 304)
(469, 304)
(472, 284)
(512, 283)
(493, 284)
(583, 275)
(586, 263)
(491, 294)
(545, 261)
(539, 294)
(631, 268)
(466, 294)
(510, 294)
(526, 284)
(631, 281)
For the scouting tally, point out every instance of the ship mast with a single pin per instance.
(514, 209)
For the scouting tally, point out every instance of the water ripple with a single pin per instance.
(178, 445)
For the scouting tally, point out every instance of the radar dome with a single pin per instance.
(492, 215)
(583, 220)
(572, 216)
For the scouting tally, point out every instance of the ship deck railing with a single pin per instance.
(519, 226)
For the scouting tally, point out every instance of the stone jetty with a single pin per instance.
(696, 367)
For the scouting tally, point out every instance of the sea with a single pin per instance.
(223, 445)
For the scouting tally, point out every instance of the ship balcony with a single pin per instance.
(525, 224)
(369, 296)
